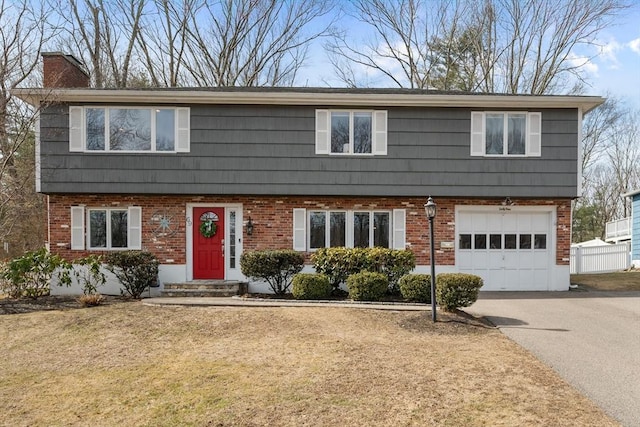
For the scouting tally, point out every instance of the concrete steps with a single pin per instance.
(204, 288)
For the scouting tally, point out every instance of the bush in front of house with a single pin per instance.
(311, 286)
(416, 287)
(339, 263)
(136, 270)
(367, 286)
(276, 267)
(455, 290)
(30, 275)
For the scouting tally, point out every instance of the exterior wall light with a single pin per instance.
(249, 227)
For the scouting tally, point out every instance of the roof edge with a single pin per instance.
(300, 96)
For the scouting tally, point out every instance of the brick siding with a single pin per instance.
(272, 217)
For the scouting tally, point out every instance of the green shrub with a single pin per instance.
(339, 263)
(276, 267)
(311, 286)
(30, 275)
(88, 272)
(136, 270)
(454, 290)
(367, 286)
(416, 287)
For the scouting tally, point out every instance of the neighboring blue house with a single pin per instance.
(634, 226)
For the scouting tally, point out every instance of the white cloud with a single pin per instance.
(608, 52)
(635, 45)
(583, 62)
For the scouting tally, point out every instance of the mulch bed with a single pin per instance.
(47, 303)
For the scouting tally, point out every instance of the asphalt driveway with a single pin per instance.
(592, 339)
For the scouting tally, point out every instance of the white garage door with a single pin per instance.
(510, 250)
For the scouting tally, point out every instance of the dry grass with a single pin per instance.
(127, 364)
(621, 281)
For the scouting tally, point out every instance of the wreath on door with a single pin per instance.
(208, 227)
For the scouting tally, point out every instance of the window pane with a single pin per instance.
(165, 130)
(480, 241)
(495, 241)
(509, 241)
(338, 222)
(465, 241)
(361, 229)
(525, 241)
(517, 125)
(317, 221)
(381, 229)
(98, 229)
(339, 132)
(95, 128)
(362, 132)
(232, 239)
(495, 133)
(130, 129)
(540, 241)
(118, 229)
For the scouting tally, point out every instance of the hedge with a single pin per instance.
(276, 267)
(416, 287)
(311, 286)
(454, 290)
(367, 286)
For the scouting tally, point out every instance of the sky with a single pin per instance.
(616, 68)
(612, 65)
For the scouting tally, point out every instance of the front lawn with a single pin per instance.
(620, 281)
(127, 364)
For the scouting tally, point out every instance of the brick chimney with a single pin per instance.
(63, 71)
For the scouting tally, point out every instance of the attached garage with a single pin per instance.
(512, 248)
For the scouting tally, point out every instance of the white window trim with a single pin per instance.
(130, 229)
(177, 131)
(378, 132)
(505, 147)
(349, 230)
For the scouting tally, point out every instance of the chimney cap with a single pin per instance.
(72, 59)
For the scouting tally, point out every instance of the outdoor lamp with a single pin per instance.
(430, 210)
(249, 227)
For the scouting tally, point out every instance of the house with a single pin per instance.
(304, 168)
(627, 229)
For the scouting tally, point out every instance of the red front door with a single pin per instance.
(208, 243)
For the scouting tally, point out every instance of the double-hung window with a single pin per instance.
(103, 228)
(128, 129)
(351, 132)
(496, 133)
(314, 228)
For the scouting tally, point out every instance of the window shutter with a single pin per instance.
(380, 133)
(534, 134)
(477, 133)
(134, 231)
(299, 229)
(322, 131)
(75, 129)
(399, 228)
(77, 227)
(183, 143)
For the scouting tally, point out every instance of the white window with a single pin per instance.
(345, 132)
(106, 228)
(129, 129)
(496, 133)
(362, 229)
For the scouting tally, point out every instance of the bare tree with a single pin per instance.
(498, 46)
(103, 34)
(22, 35)
(253, 42)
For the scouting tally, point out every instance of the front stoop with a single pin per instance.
(204, 288)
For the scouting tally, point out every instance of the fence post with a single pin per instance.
(578, 259)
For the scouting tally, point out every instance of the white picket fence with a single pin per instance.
(600, 259)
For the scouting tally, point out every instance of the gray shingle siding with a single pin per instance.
(271, 150)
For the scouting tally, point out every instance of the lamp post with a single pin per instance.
(430, 210)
